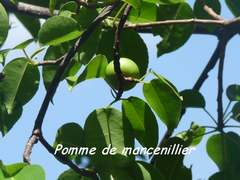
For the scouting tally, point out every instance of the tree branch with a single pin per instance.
(210, 11)
(116, 51)
(211, 64)
(27, 9)
(63, 159)
(220, 85)
(37, 131)
(140, 26)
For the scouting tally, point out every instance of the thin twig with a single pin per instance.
(54, 84)
(211, 64)
(220, 85)
(210, 11)
(231, 126)
(181, 21)
(116, 51)
(209, 114)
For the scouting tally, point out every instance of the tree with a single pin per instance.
(90, 35)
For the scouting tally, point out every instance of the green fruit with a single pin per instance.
(128, 68)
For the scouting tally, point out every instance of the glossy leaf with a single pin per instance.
(71, 175)
(142, 120)
(148, 13)
(234, 6)
(24, 44)
(95, 69)
(164, 100)
(7, 120)
(171, 1)
(4, 24)
(233, 92)
(3, 55)
(236, 112)
(173, 36)
(69, 135)
(32, 24)
(134, 3)
(58, 29)
(54, 53)
(19, 74)
(105, 127)
(192, 99)
(144, 171)
(224, 149)
(22, 171)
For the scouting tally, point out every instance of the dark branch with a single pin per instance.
(63, 159)
(54, 84)
(211, 64)
(220, 85)
(27, 9)
(116, 51)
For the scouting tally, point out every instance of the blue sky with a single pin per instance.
(181, 67)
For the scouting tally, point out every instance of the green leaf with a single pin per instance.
(3, 55)
(173, 36)
(52, 4)
(234, 6)
(69, 135)
(12, 169)
(4, 24)
(236, 112)
(225, 175)
(22, 171)
(193, 136)
(28, 172)
(32, 24)
(71, 175)
(89, 48)
(192, 99)
(24, 44)
(148, 13)
(58, 29)
(224, 149)
(105, 127)
(136, 49)
(144, 171)
(142, 120)
(19, 74)
(171, 1)
(171, 165)
(164, 100)
(134, 3)
(95, 69)
(233, 92)
(200, 13)
(54, 53)
(7, 120)
(85, 16)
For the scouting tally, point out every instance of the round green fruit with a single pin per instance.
(128, 68)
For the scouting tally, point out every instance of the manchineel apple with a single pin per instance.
(128, 68)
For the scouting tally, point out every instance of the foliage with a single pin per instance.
(81, 42)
